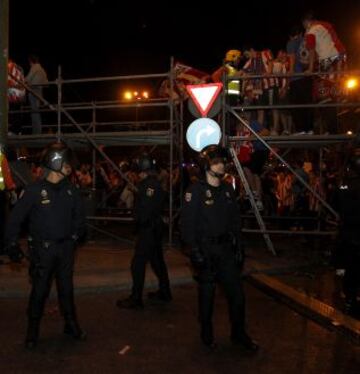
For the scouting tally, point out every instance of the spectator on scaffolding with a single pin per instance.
(300, 87)
(317, 184)
(269, 191)
(84, 177)
(7, 186)
(36, 79)
(258, 91)
(102, 183)
(280, 86)
(300, 193)
(284, 195)
(230, 69)
(16, 96)
(326, 54)
(163, 177)
(127, 196)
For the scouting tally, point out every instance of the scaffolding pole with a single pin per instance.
(171, 151)
(4, 52)
(59, 101)
(299, 178)
(83, 132)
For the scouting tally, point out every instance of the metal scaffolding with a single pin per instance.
(166, 132)
(271, 143)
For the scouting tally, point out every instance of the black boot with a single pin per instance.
(352, 307)
(32, 333)
(163, 295)
(207, 337)
(73, 329)
(245, 341)
(130, 303)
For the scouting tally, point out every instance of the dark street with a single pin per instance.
(164, 339)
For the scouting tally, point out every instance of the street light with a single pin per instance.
(351, 83)
(136, 95)
(128, 95)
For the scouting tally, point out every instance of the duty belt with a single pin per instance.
(219, 239)
(47, 243)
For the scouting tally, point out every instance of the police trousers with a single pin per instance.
(48, 261)
(351, 282)
(221, 269)
(148, 249)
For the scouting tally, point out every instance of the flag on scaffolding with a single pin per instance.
(183, 75)
(16, 92)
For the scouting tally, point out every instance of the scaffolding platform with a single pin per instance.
(299, 141)
(118, 138)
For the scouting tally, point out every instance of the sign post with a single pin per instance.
(203, 131)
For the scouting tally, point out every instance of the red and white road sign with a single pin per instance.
(204, 95)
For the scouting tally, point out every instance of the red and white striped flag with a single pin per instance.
(183, 76)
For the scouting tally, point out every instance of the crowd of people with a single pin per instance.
(313, 48)
(276, 189)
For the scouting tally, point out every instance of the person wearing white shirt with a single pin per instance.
(35, 79)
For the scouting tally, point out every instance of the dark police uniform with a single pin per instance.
(210, 226)
(347, 204)
(56, 220)
(149, 204)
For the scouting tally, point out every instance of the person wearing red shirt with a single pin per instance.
(7, 184)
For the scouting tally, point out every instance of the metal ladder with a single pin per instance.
(259, 219)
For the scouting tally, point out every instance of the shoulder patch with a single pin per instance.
(69, 192)
(150, 192)
(188, 197)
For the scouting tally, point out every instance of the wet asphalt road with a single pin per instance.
(164, 339)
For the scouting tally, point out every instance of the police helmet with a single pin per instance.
(210, 154)
(56, 155)
(146, 163)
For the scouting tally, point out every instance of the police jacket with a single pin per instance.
(149, 202)
(347, 204)
(55, 212)
(209, 212)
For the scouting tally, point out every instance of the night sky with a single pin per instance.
(103, 37)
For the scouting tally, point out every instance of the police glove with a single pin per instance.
(340, 272)
(75, 238)
(197, 259)
(15, 253)
(239, 252)
(13, 197)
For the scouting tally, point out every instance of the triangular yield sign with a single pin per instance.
(204, 95)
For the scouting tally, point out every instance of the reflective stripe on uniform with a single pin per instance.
(233, 87)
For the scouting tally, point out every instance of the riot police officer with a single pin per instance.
(347, 258)
(149, 204)
(210, 227)
(56, 218)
